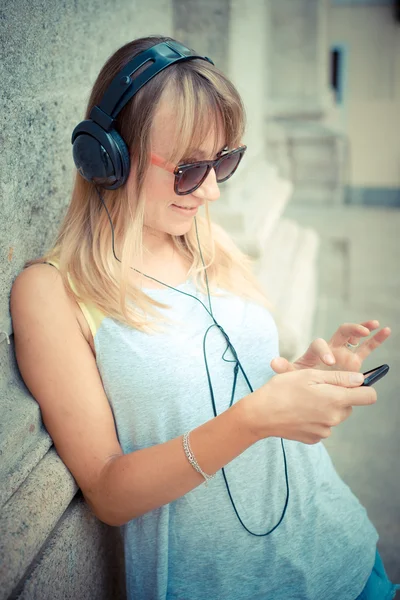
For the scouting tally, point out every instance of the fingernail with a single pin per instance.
(329, 359)
(356, 378)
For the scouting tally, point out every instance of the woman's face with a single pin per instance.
(161, 218)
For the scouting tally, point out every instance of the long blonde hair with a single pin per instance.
(204, 98)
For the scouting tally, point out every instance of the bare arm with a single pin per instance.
(141, 481)
(58, 367)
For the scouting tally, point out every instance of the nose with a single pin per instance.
(209, 189)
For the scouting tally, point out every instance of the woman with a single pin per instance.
(147, 349)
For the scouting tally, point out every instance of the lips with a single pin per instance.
(194, 206)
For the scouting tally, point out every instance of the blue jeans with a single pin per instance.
(378, 586)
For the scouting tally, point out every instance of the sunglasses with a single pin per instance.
(190, 176)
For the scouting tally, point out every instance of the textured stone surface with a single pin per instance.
(315, 158)
(30, 515)
(296, 38)
(81, 560)
(204, 26)
(51, 54)
(23, 438)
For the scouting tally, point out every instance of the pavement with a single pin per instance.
(359, 280)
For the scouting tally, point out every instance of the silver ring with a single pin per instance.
(352, 347)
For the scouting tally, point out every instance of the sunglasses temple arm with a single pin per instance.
(160, 162)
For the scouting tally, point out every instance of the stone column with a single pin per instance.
(297, 61)
(300, 103)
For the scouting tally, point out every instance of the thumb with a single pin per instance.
(342, 378)
(281, 365)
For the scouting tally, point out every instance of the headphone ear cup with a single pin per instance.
(124, 155)
(101, 157)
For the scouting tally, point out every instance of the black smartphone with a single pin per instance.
(374, 375)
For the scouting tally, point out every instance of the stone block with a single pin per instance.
(83, 558)
(23, 439)
(30, 515)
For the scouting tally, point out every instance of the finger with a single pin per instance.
(347, 332)
(361, 396)
(343, 413)
(371, 325)
(349, 391)
(339, 378)
(281, 365)
(373, 343)
(321, 348)
(346, 412)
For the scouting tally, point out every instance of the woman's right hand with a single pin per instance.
(304, 405)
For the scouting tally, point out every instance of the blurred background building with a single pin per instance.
(316, 205)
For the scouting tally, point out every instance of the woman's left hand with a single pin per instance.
(345, 359)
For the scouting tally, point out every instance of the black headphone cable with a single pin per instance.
(236, 369)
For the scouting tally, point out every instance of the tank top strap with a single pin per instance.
(92, 314)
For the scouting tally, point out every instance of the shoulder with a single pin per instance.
(41, 286)
(37, 280)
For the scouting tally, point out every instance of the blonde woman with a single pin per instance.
(147, 342)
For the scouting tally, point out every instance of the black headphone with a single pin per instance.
(100, 153)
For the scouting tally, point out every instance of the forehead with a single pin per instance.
(177, 133)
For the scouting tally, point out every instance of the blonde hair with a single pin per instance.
(204, 97)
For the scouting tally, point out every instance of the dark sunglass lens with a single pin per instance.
(227, 166)
(191, 178)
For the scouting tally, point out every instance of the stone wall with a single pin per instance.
(51, 545)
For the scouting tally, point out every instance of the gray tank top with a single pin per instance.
(195, 547)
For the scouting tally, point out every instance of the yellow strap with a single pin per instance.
(92, 314)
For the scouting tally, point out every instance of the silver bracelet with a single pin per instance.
(191, 458)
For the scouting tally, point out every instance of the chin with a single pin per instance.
(181, 229)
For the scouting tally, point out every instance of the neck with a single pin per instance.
(156, 244)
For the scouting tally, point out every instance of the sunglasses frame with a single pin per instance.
(180, 170)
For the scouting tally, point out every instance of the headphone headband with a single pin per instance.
(122, 88)
(99, 152)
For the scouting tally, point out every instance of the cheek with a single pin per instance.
(158, 214)
(159, 189)
(160, 193)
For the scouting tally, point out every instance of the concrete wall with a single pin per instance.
(370, 112)
(51, 546)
